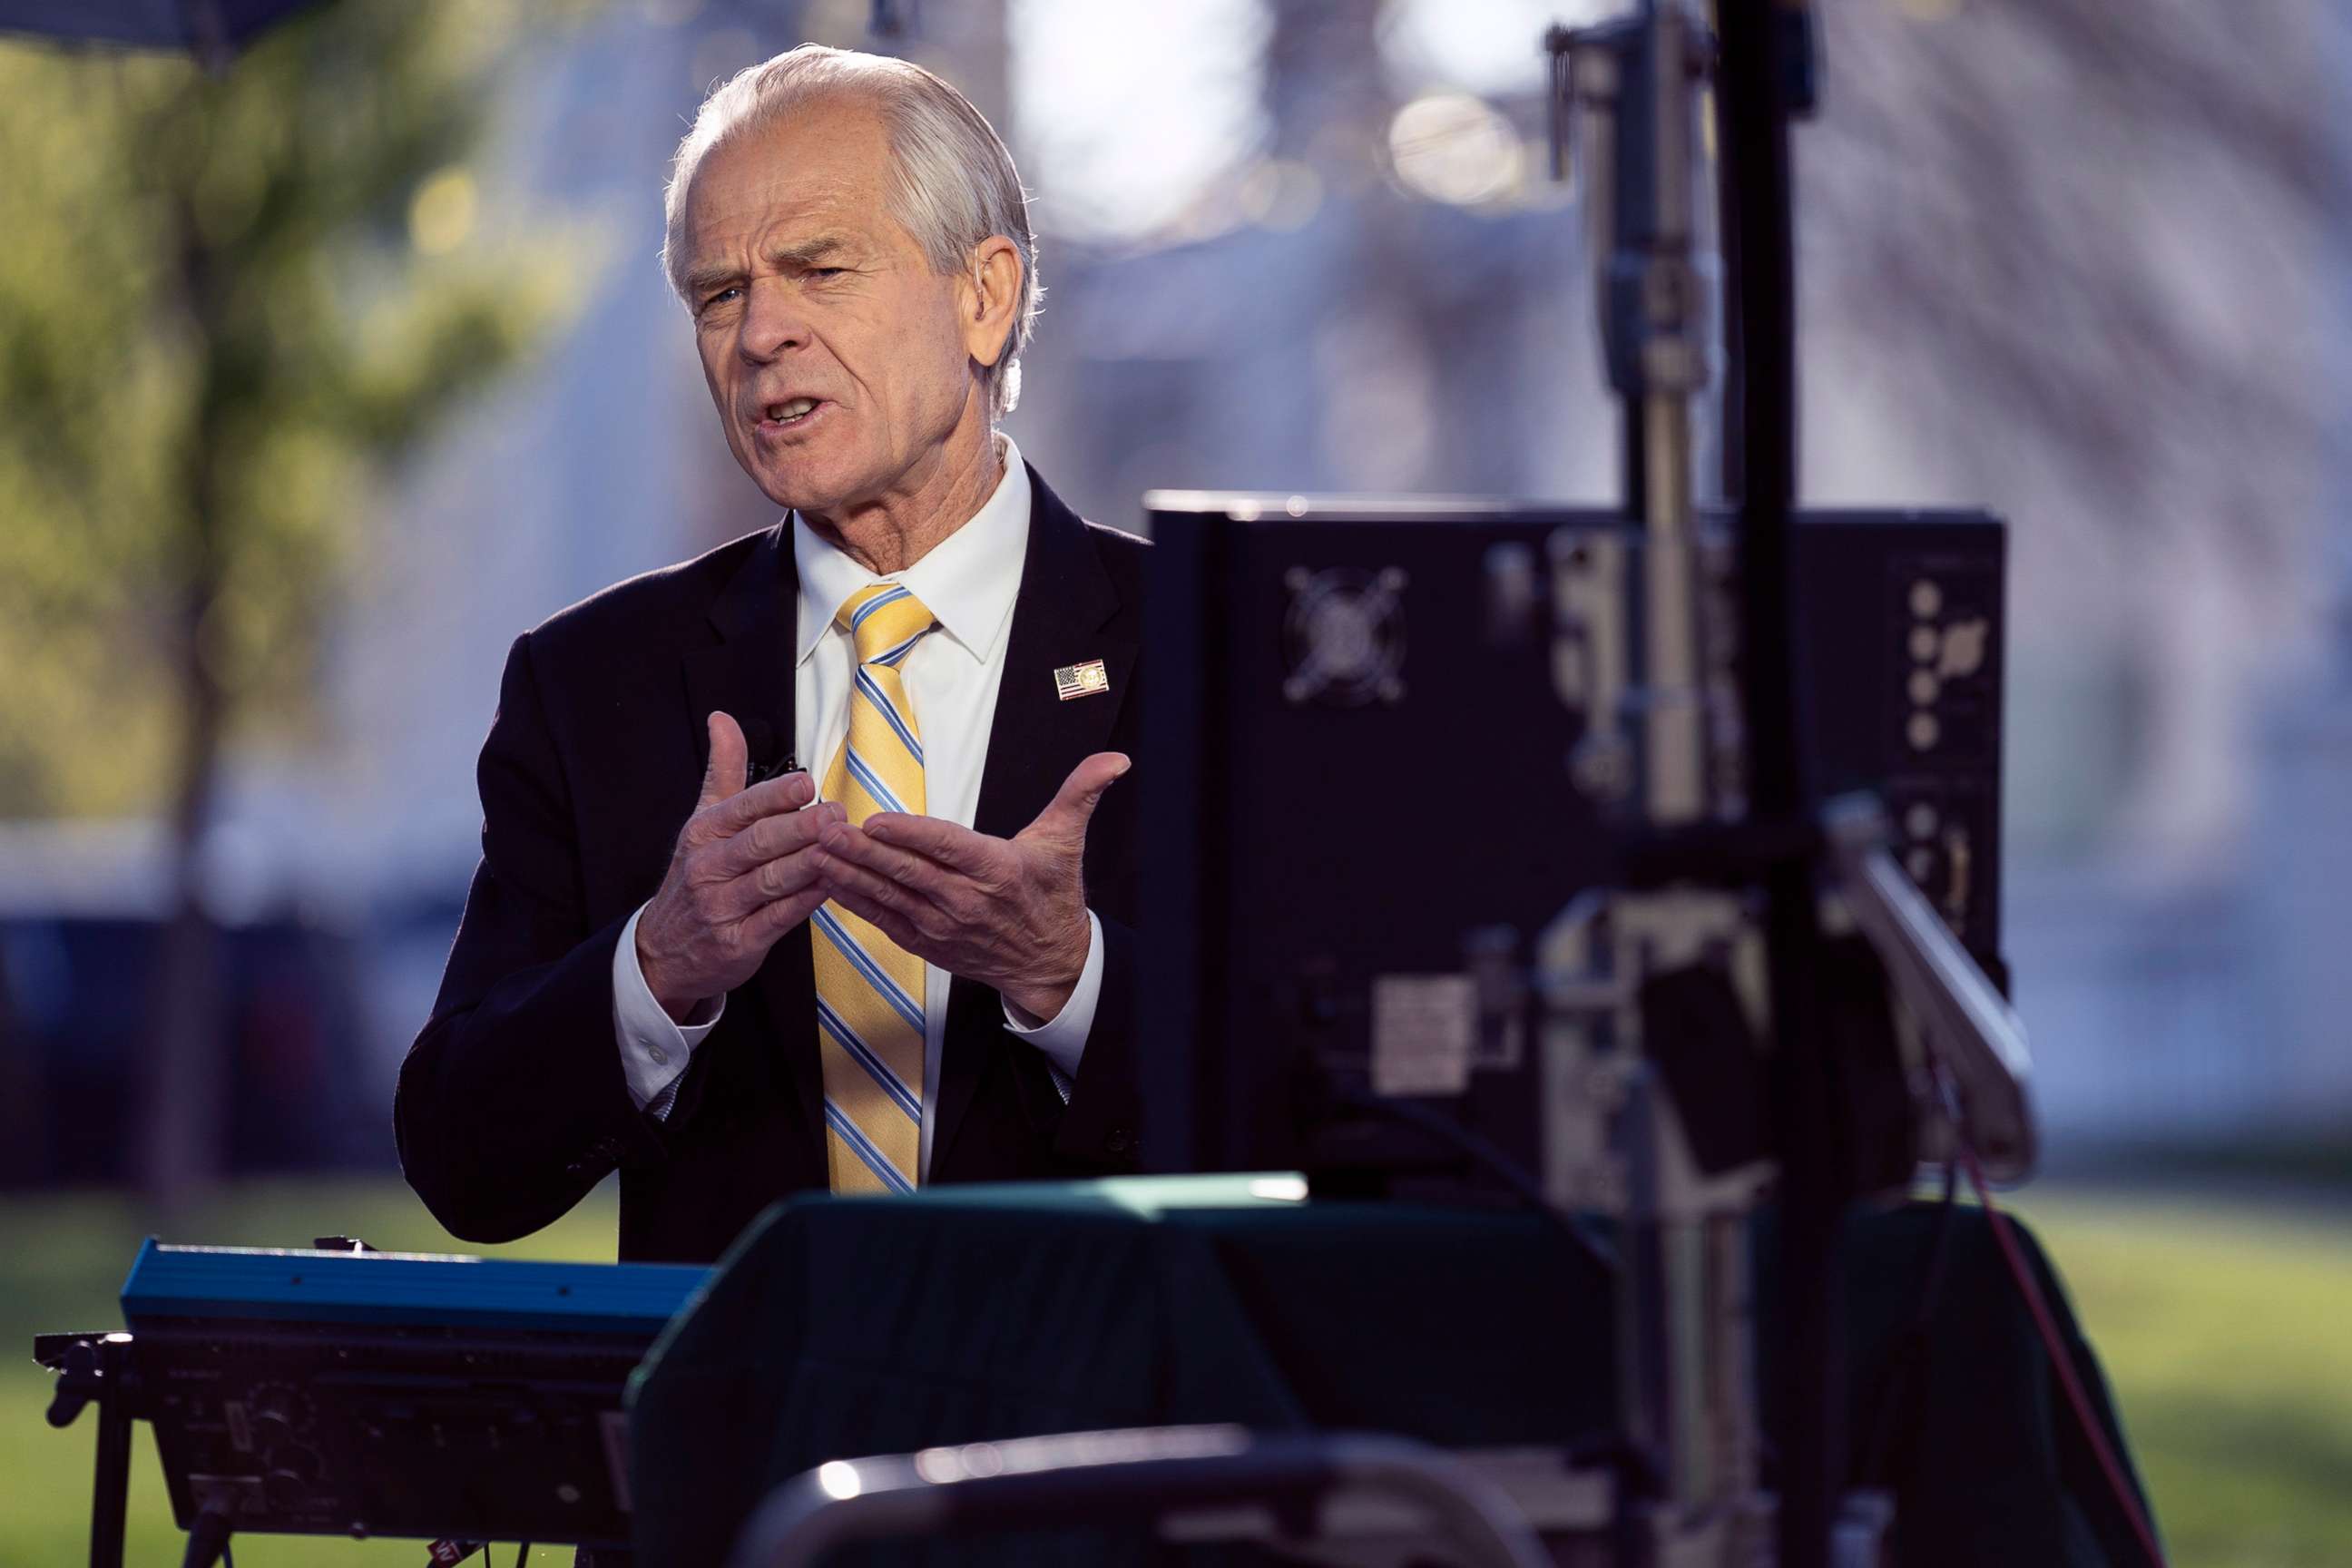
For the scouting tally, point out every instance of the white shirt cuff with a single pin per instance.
(1063, 1036)
(655, 1050)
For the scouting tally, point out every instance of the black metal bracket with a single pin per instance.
(98, 1369)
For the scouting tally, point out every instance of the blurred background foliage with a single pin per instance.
(236, 293)
(226, 300)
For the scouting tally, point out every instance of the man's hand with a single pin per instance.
(1009, 913)
(742, 874)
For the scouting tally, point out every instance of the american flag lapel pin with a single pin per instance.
(1081, 680)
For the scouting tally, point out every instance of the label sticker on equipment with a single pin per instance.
(1423, 1029)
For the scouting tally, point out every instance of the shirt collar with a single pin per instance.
(969, 580)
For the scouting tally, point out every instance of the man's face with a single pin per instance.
(836, 356)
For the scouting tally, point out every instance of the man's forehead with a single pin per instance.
(809, 165)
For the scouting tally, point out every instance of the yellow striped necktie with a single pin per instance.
(869, 991)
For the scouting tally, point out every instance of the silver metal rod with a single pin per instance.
(1671, 369)
(1969, 1026)
(1116, 1478)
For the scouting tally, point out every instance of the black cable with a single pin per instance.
(522, 1553)
(1908, 1352)
(228, 1556)
(1939, 1259)
(1495, 1162)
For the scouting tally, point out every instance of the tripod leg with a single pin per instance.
(111, 1492)
(207, 1540)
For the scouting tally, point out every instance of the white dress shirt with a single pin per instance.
(969, 580)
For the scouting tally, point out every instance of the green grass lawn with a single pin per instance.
(2225, 1326)
(2226, 1331)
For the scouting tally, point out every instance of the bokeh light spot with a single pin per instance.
(441, 216)
(1450, 147)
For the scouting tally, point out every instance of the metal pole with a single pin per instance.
(1764, 53)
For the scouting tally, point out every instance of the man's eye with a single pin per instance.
(720, 297)
(827, 271)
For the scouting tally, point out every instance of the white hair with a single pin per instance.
(952, 182)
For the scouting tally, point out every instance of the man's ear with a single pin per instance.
(988, 297)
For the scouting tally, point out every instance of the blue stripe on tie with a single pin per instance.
(900, 1095)
(872, 781)
(881, 701)
(873, 973)
(897, 593)
(873, 1158)
(892, 655)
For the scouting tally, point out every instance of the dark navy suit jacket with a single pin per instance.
(512, 1103)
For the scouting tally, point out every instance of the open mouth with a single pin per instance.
(791, 414)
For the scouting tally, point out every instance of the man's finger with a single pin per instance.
(958, 848)
(841, 874)
(766, 799)
(784, 831)
(730, 761)
(767, 925)
(918, 872)
(764, 884)
(1064, 818)
(884, 919)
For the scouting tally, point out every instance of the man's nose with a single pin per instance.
(773, 321)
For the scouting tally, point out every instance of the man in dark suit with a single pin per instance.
(911, 961)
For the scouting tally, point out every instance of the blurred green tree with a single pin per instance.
(226, 298)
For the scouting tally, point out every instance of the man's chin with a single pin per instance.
(802, 499)
(796, 486)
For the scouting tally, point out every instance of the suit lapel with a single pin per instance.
(1068, 612)
(748, 674)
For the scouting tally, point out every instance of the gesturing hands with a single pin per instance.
(1009, 913)
(742, 874)
(753, 863)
